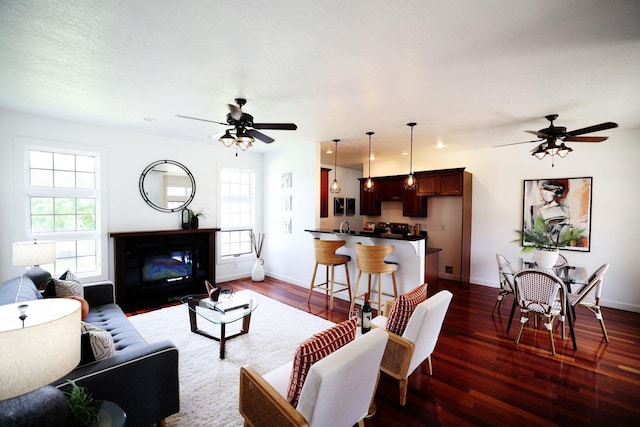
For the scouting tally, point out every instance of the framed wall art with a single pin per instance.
(351, 206)
(338, 206)
(562, 203)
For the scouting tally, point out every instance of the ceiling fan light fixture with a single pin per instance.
(227, 139)
(245, 138)
(335, 187)
(369, 185)
(540, 153)
(410, 182)
(563, 151)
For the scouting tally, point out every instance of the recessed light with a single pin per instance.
(404, 153)
(150, 119)
(329, 151)
(439, 144)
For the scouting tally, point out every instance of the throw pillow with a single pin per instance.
(96, 343)
(84, 303)
(315, 348)
(66, 288)
(403, 309)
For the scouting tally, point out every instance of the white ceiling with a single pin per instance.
(472, 74)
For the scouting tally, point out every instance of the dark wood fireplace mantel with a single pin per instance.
(133, 249)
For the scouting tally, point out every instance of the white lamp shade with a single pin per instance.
(44, 350)
(37, 252)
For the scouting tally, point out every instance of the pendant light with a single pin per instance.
(410, 182)
(368, 185)
(335, 187)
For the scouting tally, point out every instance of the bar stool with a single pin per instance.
(370, 260)
(325, 255)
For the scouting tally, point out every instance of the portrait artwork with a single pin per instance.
(562, 203)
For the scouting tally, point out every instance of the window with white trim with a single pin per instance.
(63, 205)
(237, 211)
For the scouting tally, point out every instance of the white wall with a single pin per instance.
(128, 154)
(349, 188)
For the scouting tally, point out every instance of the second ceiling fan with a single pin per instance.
(549, 136)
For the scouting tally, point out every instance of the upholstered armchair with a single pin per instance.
(337, 391)
(404, 353)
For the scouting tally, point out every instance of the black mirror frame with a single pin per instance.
(160, 208)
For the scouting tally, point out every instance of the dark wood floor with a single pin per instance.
(482, 378)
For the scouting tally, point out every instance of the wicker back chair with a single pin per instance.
(370, 260)
(589, 296)
(325, 254)
(505, 276)
(338, 390)
(405, 353)
(561, 261)
(543, 294)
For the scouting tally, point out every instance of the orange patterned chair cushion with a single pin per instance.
(403, 309)
(315, 348)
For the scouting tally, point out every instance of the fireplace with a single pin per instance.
(156, 267)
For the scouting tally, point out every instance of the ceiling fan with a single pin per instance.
(244, 128)
(549, 138)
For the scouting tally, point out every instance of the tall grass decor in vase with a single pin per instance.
(257, 272)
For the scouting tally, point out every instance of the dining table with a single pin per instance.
(575, 275)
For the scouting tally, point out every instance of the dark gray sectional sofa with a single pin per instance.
(141, 377)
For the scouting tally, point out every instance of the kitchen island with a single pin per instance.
(416, 261)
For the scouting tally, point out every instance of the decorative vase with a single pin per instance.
(195, 223)
(545, 259)
(257, 273)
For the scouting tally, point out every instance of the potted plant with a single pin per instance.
(544, 241)
(81, 405)
(194, 218)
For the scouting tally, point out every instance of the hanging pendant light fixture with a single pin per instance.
(335, 187)
(410, 182)
(368, 185)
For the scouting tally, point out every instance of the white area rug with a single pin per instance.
(209, 386)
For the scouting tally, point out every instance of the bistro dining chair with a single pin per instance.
(589, 296)
(542, 294)
(561, 261)
(505, 275)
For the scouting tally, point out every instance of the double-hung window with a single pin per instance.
(63, 205)
(237, 211)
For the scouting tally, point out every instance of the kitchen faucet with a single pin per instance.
(347, 224)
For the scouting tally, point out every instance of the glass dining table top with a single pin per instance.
(570, 274)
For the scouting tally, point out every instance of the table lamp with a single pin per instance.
(34, 254)
(40, 344)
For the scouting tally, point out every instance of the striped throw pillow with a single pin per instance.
(403, 309)
(315, 348)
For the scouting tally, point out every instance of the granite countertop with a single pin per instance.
(372, 234)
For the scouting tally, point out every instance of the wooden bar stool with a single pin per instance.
(370, 260)
(325, 253)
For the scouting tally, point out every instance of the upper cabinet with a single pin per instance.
(324, 192)
(440, 183)
(370, 202)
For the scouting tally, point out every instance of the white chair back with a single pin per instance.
(423, 328)
(339, 388)
(505, 273)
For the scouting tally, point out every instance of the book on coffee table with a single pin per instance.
(235, 304)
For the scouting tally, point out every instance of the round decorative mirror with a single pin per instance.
(167, 186)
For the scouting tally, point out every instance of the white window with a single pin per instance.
(63, 205)
(237, 211)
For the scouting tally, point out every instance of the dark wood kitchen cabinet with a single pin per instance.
(391, 188)
(324, 192)
(370, 202)
(440, 183)
(412, 204)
